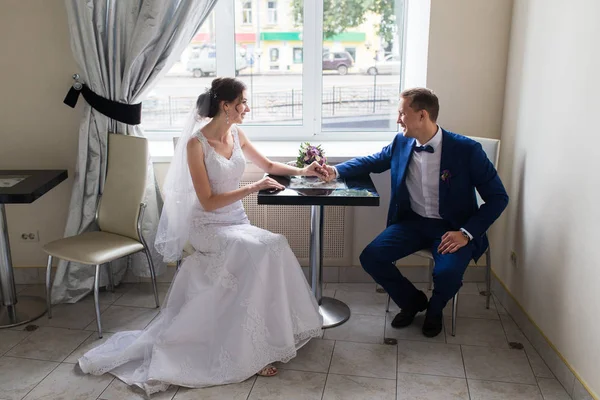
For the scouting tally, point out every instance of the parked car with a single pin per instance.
(389, 65)
(337, 60)
(203, 61)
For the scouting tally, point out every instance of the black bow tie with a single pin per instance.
(426, 148)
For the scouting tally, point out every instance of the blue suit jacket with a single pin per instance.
(469, 170)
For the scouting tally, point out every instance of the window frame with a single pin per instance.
(312, 80)
(272, 12)
(246, 12)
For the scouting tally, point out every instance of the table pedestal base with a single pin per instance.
(27, 309)
(334, 312)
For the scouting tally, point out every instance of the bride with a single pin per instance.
(241, 301)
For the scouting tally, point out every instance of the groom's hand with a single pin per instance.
(315, 169)
(452, 241)
(329, 173)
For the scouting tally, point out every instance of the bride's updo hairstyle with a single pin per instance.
(222, 89)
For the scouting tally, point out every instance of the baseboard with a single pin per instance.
(575, 386)
(30, 275)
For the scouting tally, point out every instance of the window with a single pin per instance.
(298, 55)
(167, 105)
(273, 76)
(272, 12)
(356, 94)
(274, 52)
(352, 52)
(300, 83)
(274, 59)
(247, 12)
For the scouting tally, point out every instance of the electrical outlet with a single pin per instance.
(513, 259)
(30, 236)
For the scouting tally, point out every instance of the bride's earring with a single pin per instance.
(227, 117)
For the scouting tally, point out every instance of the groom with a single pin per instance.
(433, 206)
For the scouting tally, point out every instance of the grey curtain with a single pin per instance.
(122, 47)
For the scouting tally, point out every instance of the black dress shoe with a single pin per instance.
(406, 316)
(433, 324)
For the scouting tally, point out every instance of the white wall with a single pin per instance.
(468, 48)
(550, 161)
(36, 129)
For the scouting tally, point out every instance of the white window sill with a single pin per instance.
(335, 151)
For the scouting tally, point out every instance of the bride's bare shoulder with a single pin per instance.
(194, 142)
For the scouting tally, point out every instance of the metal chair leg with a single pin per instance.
(111, 282)
(152, 274)
(147, 252)
(387, 308)
(97, 299)
(49, 287)
(454, 312)
(431, 265)
(488, 277)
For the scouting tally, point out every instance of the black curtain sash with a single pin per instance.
(130, 114)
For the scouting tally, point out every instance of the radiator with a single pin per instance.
(293, 222)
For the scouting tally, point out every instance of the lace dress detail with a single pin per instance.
(240, 302)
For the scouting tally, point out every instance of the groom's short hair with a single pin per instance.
(423, 99)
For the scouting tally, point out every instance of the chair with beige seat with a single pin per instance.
(119, 218)
(491, 147)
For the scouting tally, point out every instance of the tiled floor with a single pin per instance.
(349, 362)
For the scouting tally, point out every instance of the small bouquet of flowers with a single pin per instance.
(309, 153)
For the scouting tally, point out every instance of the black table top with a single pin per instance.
(28, 185)
(359, 192)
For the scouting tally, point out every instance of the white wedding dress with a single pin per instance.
(239, 303)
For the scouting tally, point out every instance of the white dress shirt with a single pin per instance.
(423, 178)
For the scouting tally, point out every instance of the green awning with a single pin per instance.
(297, 36)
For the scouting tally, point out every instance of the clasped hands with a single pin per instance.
(321, 171)
(325, 172)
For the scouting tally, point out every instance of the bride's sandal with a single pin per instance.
(267, 371)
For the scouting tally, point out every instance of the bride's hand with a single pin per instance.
(267, 183)
(316, 169)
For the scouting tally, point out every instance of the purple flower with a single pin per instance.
(446, 175)
(312, 151)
